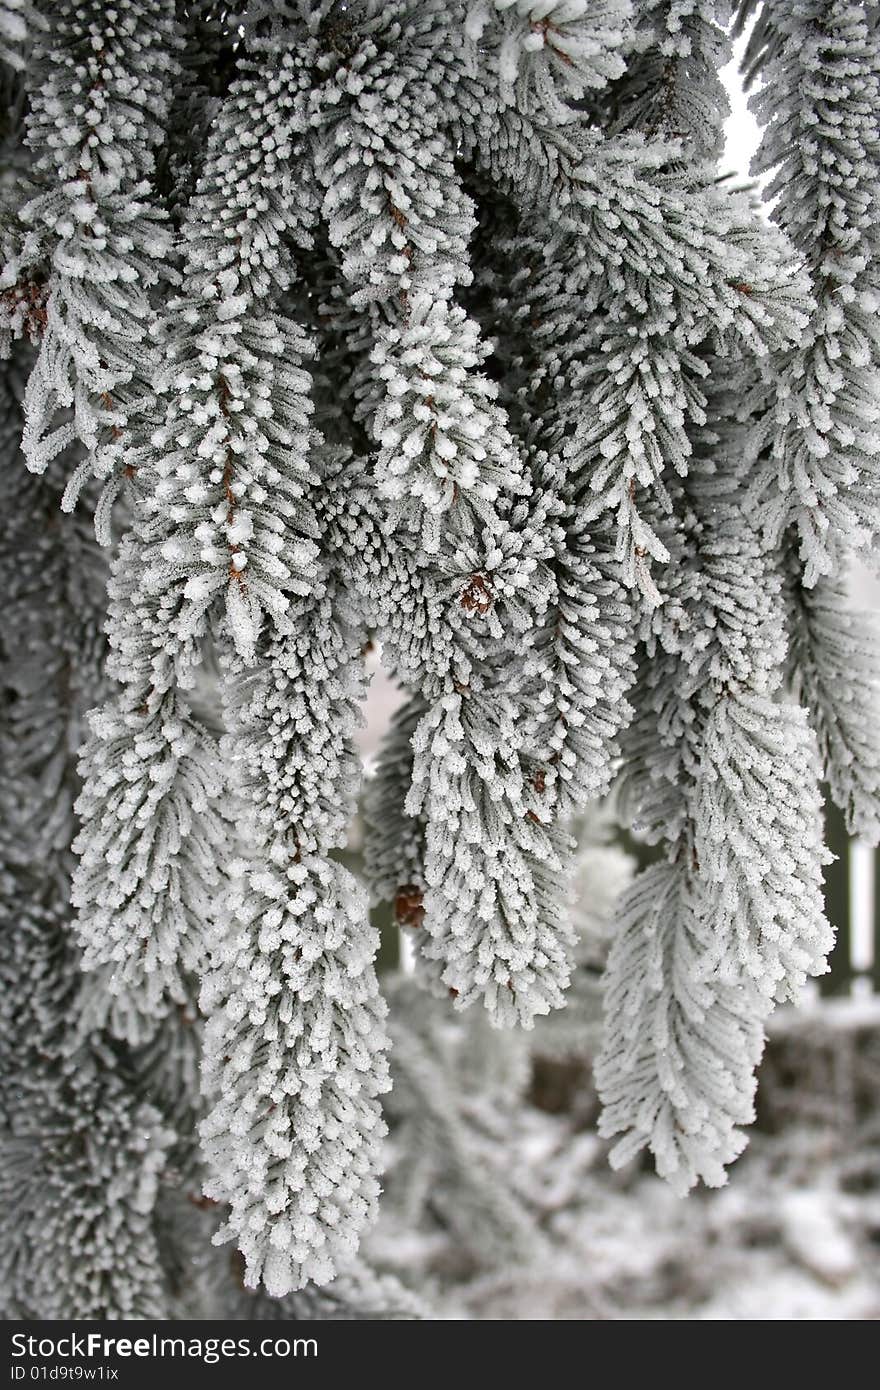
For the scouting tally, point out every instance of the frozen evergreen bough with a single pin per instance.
(88, 240)
(81, 1150)
(722, 771)
(433, 324)
(837, 654)
(819, 467)
(294, 1048)
(100, 1174)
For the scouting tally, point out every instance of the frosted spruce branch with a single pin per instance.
(295, 1040)
(90, 244)
(816, 440)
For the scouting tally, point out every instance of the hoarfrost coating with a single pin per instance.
(431, 324)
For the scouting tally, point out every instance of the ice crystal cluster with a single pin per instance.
(431, 324)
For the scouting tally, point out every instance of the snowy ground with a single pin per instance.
(795, 1234)
(788, 1239)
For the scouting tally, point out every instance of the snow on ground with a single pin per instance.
(784, 1241)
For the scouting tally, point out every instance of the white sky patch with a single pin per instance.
(741, 131)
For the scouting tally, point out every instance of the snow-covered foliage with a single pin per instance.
(817, 442)
(82, 1150)
(428, 325)
(295, 1042)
